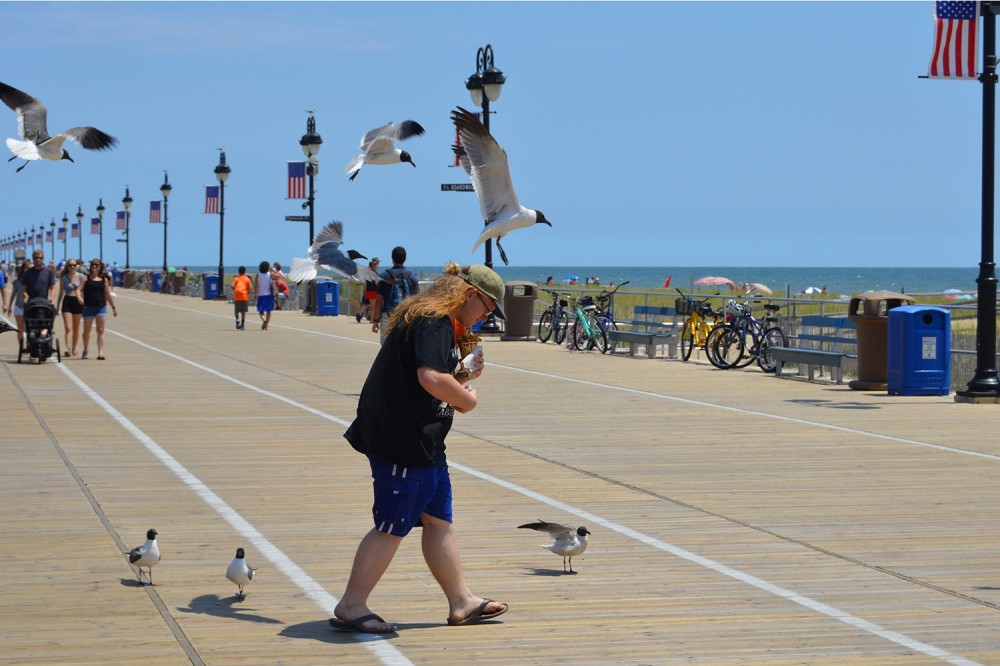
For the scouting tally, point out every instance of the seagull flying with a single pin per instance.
(31, 125)
(377, 146)
(325, 252)
(491, 178)
(146, 555)
(463, 159)
(239, 572)
(569, 541)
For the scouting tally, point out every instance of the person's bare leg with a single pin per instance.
(87, 325)
(100, 335)
(77, 320)
(67, 318)
(440, 548)
(375, 553)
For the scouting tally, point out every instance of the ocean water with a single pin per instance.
(837, 280)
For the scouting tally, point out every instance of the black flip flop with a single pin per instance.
(355, 624)
(478, 615)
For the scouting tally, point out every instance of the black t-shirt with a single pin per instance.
(37, 281)
(397, 419)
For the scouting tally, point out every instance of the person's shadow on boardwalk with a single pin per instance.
(211, 604)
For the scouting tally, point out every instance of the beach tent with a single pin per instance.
(762, 288)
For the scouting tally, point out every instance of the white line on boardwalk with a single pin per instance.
(735, 574)
(386, 652)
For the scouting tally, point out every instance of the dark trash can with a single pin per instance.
(180, 281)
(307, 295)
(519, 305)
(156, 283)
(211, 284)
(128, 279)
(919, 351)
(327, 298)
(869, 312)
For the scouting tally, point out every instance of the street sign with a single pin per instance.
(457, 187)
(296, 218)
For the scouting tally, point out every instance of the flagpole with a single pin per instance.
(985, 384)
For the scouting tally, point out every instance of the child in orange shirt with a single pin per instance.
(241, 297)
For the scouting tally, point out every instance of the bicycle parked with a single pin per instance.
(744, 339)
(701, 318)
(605, 313)
(555, 320)
(586, 332)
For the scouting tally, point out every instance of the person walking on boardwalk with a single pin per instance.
(414, 387)
(69, 304)
(397, 283)
(18, 297)
(265, 296)
(94, 294)
(241, 297)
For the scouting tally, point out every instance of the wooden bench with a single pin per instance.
(647, 328)
(824, 342)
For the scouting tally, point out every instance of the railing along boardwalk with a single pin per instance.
(735, 518)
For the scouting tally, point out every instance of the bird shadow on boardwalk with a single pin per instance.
(548, 572)
(830, 404)
(211, 604)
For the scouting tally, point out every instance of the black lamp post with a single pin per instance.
(127, 202)
(32, 237)
(311, 143)
(79, 228)
(65, 230)
(165, 191)
(52, 238)
(221, 175)
(485, 86)
(100, 228)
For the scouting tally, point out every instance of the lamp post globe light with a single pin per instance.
(100, 228)
(311, 142)
(221, 175)
(165, 192)
(79, 229)
(485, 86)
(65, 230)
(127, 203)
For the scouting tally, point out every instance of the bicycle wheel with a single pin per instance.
(600, 337)
(578, 336)
(773, 337)
(687, 340)
(545, 326)
(710, 344)
(749, 352)
(728, 348)
(562, 325)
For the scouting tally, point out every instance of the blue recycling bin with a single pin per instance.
(919, 354)
(327, 298)
(157, 281)
(117, 278)
(211, 282)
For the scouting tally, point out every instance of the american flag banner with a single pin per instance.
(95, 225)
(120, 221)
(956, 28)
(62, 234)
(48, 235)
(38, 239)
(296, 180)
(211, 198)
(154, 212)
(74, 230)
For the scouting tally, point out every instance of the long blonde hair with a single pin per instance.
(444, 297)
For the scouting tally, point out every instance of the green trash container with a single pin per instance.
(869, 312)
(519, 306)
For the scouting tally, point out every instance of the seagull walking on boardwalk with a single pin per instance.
(325, 252)
(146, 555)
(491, 179)
(378, 147)
(35, 140)
(239, 572)
(569, 541)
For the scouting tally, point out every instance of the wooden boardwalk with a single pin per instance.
(736, 518)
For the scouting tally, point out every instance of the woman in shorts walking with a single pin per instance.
(94, 294)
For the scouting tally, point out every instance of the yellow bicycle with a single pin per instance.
(700, 320)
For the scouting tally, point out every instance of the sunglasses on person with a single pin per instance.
(489, 308)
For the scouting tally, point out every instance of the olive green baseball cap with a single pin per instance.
(488, 282)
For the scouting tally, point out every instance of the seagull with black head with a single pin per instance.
(378, 146)
(325, 253)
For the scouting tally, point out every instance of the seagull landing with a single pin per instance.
(36, 142)
(239, 572)
(377, 146)
(146, 555)
(491, 179)
(568, 542)
(325, 252)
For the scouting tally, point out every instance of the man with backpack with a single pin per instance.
(397, 283)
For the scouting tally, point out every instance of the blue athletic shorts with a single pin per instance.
(265, 303)
(403, 493)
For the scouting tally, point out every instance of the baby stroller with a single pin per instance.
(39, 336)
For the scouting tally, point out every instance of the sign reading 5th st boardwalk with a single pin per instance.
(457, 187)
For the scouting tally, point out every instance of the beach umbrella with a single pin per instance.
(762, 288)
(714, 281)
(812, 290)
(951, 294)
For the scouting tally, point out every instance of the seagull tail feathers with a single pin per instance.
(483, 237)
(23, 149)
(354, 166)
(302, 269)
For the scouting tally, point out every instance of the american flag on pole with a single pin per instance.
(956, 28)
(48, 235)
(74, 230)
(120, 221)
(62, 233)
(38, 239)
(154, 212)
(296, 180)
(95, 225)
(211, 198)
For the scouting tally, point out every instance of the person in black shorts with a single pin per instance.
(416, 384)
(70, 306)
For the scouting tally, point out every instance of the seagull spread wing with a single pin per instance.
(490, 172)
(555, 529)
(331, 233)
(463, 159)
(390, 132)
(91, 138)
(31, 113)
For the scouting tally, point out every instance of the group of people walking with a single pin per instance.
(266, 284)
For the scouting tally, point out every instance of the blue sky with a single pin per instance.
(651, 134)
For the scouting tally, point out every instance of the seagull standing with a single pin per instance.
(377, 146)
(239, 572)
(491, 179)
(36, 142)
(325, 252)
(569, 541)
(146, 555)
